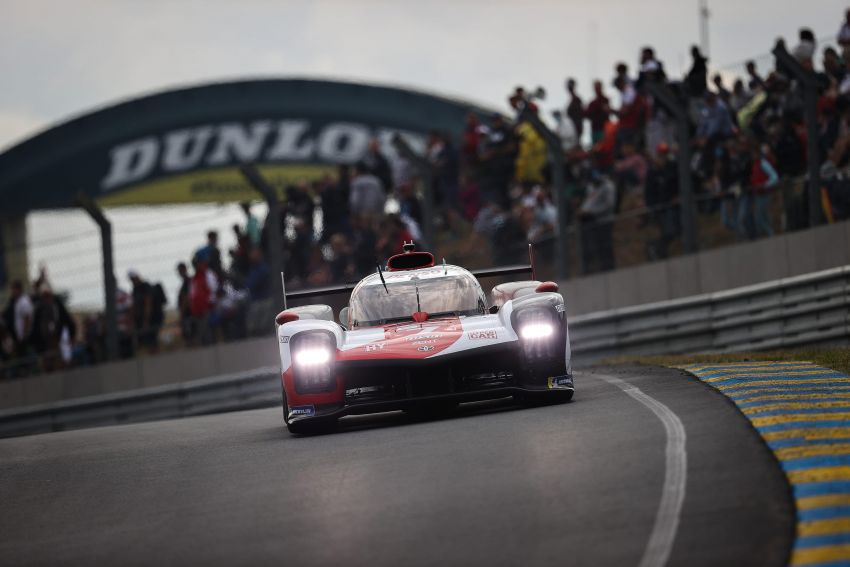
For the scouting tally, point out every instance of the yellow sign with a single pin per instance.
(219, 185)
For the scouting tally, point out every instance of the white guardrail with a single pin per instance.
(803, 310)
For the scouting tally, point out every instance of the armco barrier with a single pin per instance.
(802, 310)
(244, 390)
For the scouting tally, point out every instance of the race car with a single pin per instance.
(418, 336)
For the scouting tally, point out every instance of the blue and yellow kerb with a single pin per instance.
(803, 413)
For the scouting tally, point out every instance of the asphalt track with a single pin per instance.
(573, 484)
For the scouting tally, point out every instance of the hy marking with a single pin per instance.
(660, 543)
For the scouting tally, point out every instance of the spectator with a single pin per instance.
(531, 157)
(633, 113)
(202, 296)
(575, 108)
(722, 92)
(660, 192)
(804, 52)
(471, 142)
(497, 160)
(697, 77)
(341, 266)
(258, 281)
(367, 196)
(844, 37)
(252, 225)
(210, 253)
(752, 71)
(763, 179)
(596, 224)
(651, 69)
(565, 131)
(148, 310)
(470, 198)
(444, 162)
(598, 112)
(51, 322)
(740, 96)
(184, 306)
(18, 318)
(334, 197)
(377, 164)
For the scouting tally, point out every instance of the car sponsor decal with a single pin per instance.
(406, 340)
(488, 334)
(306, 411)
(559, 382)
(284, 339)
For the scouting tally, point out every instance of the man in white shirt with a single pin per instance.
(19, 313)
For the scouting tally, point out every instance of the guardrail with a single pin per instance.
(243, 390)
(802, 310)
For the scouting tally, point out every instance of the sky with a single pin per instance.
(62, 58)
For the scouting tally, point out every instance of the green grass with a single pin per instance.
(837, 358)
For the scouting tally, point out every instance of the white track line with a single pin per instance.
(663, 534)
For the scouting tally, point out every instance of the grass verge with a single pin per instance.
(837, 358)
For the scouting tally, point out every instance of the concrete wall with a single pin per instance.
(713, 270)
(142, 372)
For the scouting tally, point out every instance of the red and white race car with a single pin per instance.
(418, 335)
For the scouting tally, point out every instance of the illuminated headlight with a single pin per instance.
(312, 356)
(313, 361)
(536, 331)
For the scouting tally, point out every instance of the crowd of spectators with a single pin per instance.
(492, 191)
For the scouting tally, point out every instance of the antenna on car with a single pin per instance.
(445, 268)
(283, 290)
(381, 275)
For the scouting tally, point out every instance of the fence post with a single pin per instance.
(109, 285)
(559, 193)
(663, 95)
(424, 169)
(275, 242)
(809, 82)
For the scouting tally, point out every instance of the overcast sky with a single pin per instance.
(59, 58)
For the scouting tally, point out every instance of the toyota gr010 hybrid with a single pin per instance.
(418, 335)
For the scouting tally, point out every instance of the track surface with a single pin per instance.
(575, 484)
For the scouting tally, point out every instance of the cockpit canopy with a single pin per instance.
(442, 291)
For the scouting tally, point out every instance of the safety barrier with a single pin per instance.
(802, 310)
(243, 390)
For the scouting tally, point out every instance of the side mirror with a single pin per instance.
(493, 309)
(343, 317)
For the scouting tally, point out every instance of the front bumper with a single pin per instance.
(371, 386)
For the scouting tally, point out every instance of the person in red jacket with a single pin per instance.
(202, 294)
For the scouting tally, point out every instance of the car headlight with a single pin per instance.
(312, 356)
(532, 331)
(538, 330)
(313, 361)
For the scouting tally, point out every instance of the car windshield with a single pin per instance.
(448, 295)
